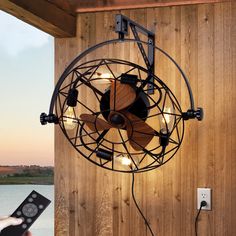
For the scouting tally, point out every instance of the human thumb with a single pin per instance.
(9, 221)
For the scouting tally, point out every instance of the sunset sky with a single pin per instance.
(26, 76)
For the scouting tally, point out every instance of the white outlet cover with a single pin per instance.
(204, 194)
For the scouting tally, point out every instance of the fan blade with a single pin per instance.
(94, 123)
(121, 96)
(139, 132)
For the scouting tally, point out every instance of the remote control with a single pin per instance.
(29, 210)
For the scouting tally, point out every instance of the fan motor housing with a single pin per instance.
(139, 108)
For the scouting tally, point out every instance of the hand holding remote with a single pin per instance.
(6, 221)
(28, 211)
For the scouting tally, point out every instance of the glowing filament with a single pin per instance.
(69, 119)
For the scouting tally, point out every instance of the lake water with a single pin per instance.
(11, 196)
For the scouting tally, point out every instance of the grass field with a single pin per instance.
(27, 180)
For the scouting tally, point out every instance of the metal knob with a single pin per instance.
(51, 118)
(199, 114)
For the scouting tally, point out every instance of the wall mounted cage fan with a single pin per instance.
(117, 112)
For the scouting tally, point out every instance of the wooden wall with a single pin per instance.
(91, 201)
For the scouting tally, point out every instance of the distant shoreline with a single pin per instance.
(27, 180)
(23, 175)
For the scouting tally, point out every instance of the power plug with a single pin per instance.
(204, 194)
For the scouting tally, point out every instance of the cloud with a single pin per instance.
(17, 36)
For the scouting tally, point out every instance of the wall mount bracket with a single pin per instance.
(122, 26)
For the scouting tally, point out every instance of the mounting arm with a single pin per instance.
(122, 25)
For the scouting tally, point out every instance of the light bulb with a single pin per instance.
(126, 161)
(102, 78)
(167, 120)
(69, 119)
(105, 76)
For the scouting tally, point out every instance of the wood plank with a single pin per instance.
(63, 167)
(223, 104)
(95, 6)
(220, 142)
(206, 97)
(189, 63)
(231, 117)
(42, 15)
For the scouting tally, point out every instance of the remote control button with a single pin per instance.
(23, 219)
(29, 220)
(34, 195)
(30, 210)
(41, 207)
(18, 213)
(24, 226)
(30, 199)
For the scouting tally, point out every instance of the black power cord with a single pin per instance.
(136, 204)
(203, 203)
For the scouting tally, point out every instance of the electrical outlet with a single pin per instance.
(204, 194)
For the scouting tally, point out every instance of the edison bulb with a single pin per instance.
(103, 78)
(69, 119)
(126, 162)
(167, 120)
